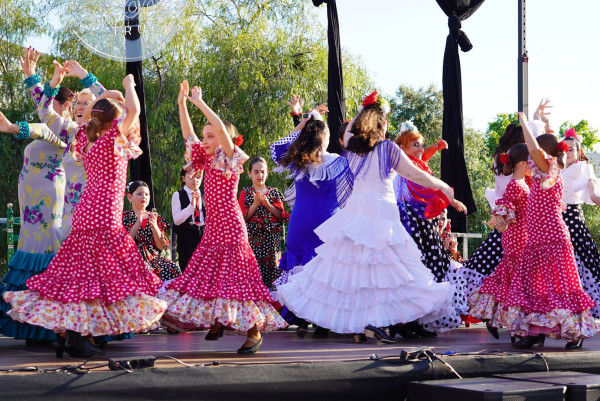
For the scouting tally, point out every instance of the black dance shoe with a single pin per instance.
(215, 336)
(59, 346)
(302, 328)
(530, 341)
(402, 330)
(576, 345)
(418, 329)
(359, 338)
(80, 347)
(320, 332)
(253, 349)
(375, 332)
(493, 331)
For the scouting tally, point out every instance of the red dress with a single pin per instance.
(222, 281)
(98, 283)
(546, 294)
(488, 302)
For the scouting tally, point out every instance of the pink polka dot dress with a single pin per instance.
(546, 295)
(222, 281)
(488, 302)
(98, 283)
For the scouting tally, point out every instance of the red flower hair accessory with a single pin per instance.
(562, 146)
(374, 98)
(504, 158)
(239, 140)
(571, 133)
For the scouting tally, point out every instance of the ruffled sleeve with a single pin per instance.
(279, 148)
(228, 166)
(195, 154)
(549, 178)
(505, 206)
(79, 143)
(242, 202)
(127, 147)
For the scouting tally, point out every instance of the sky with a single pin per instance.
(403, 42)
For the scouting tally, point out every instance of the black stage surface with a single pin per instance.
(285, 368)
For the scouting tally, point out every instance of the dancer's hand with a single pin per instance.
(459, 206)
(7, 126)
(128, 82)
(541, 113)
(257, 199)
(522, 118)
(153, 219)
(296, 104)
(184, 91)
(322, 108)
(441, 144)
(29, 63)
(196, 95)
(75, 69)
(60, 71)
(112, 94)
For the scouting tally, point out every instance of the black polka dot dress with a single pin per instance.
(144, 239)
(482, 262)
(426, 235)
(586, 254)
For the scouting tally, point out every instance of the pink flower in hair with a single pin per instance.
(571, 133)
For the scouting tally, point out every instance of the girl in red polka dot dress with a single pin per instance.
(546, 296)
(488, 302)
(221, 285)
(98, 283)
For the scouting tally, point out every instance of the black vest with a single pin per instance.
(186, 227)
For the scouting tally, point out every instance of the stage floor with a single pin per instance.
(281, 347)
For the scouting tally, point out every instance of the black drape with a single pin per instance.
(335, 77)
(453, 167)
(140, 168)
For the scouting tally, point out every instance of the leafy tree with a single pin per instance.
(588, 134)
(496, 129)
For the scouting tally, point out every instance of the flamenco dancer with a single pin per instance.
(581, 186)
(488, 303)
(368, 272)
(221, 285)
(98, 283)
(545, 295)
(322, 184)
(419, 208)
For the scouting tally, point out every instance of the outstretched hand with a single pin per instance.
(322, 108)
(541, 112)
(196, 95)
(459, 206)
(29, 63)
(296, 104)
(522, 118)
(6, 125)
(184, 91)
(74, 69)
(441, 144)
(60, 72)
(128, 81)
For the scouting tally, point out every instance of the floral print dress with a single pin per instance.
(144, 239)
(264, 233)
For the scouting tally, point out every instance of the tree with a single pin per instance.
(496, 129)
(586, 133)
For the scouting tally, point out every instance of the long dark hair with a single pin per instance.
(513, 134)
(307, 148)
(367, 128)
(549, 144)
(103, 114)
(516, 154)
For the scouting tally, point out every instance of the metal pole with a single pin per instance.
(523, 60)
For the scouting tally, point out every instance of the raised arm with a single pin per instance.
(408, 170)
(214, 120)
(429, 151)
(32, 79)
(535, 152)
(23, 130)
(184, 116)
(132, 105)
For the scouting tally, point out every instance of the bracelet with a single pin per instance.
(295, 114)
(23, 130)
(89, 80)
(32, 80)
(49, 91)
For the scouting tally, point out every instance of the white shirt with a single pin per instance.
(179, 215)
(575, 179)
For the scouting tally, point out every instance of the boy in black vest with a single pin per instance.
(188, 217)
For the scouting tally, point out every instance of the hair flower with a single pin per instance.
(374, 98)
(562, 146)
(408, 126)
(571, 133)
(239, 140)
(504, 158)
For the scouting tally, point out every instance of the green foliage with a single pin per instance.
(496, 129)
(587, 134)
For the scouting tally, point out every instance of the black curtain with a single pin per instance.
(453, 167)
(140, 168)
(335, 76)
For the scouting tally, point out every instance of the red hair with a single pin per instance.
(405, 138)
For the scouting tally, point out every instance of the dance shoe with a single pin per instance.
(253, 349)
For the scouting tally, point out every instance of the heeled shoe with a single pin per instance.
(302, 328)
(420, 330)
(59, 346)
(320, 332)
(215, 336)
(359, 338)
(376, 332)
(402, 330)
(530, 341)
(575, 345)
(80, 347)
(493, 331)
(253, 349)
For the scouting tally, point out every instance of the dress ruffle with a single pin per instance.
(136, 313)
(196, 154)
(110, 269)
(188, 313)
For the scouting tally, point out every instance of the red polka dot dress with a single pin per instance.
(98, 283)
(488, 302)
(222, 282)
(545, 295)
